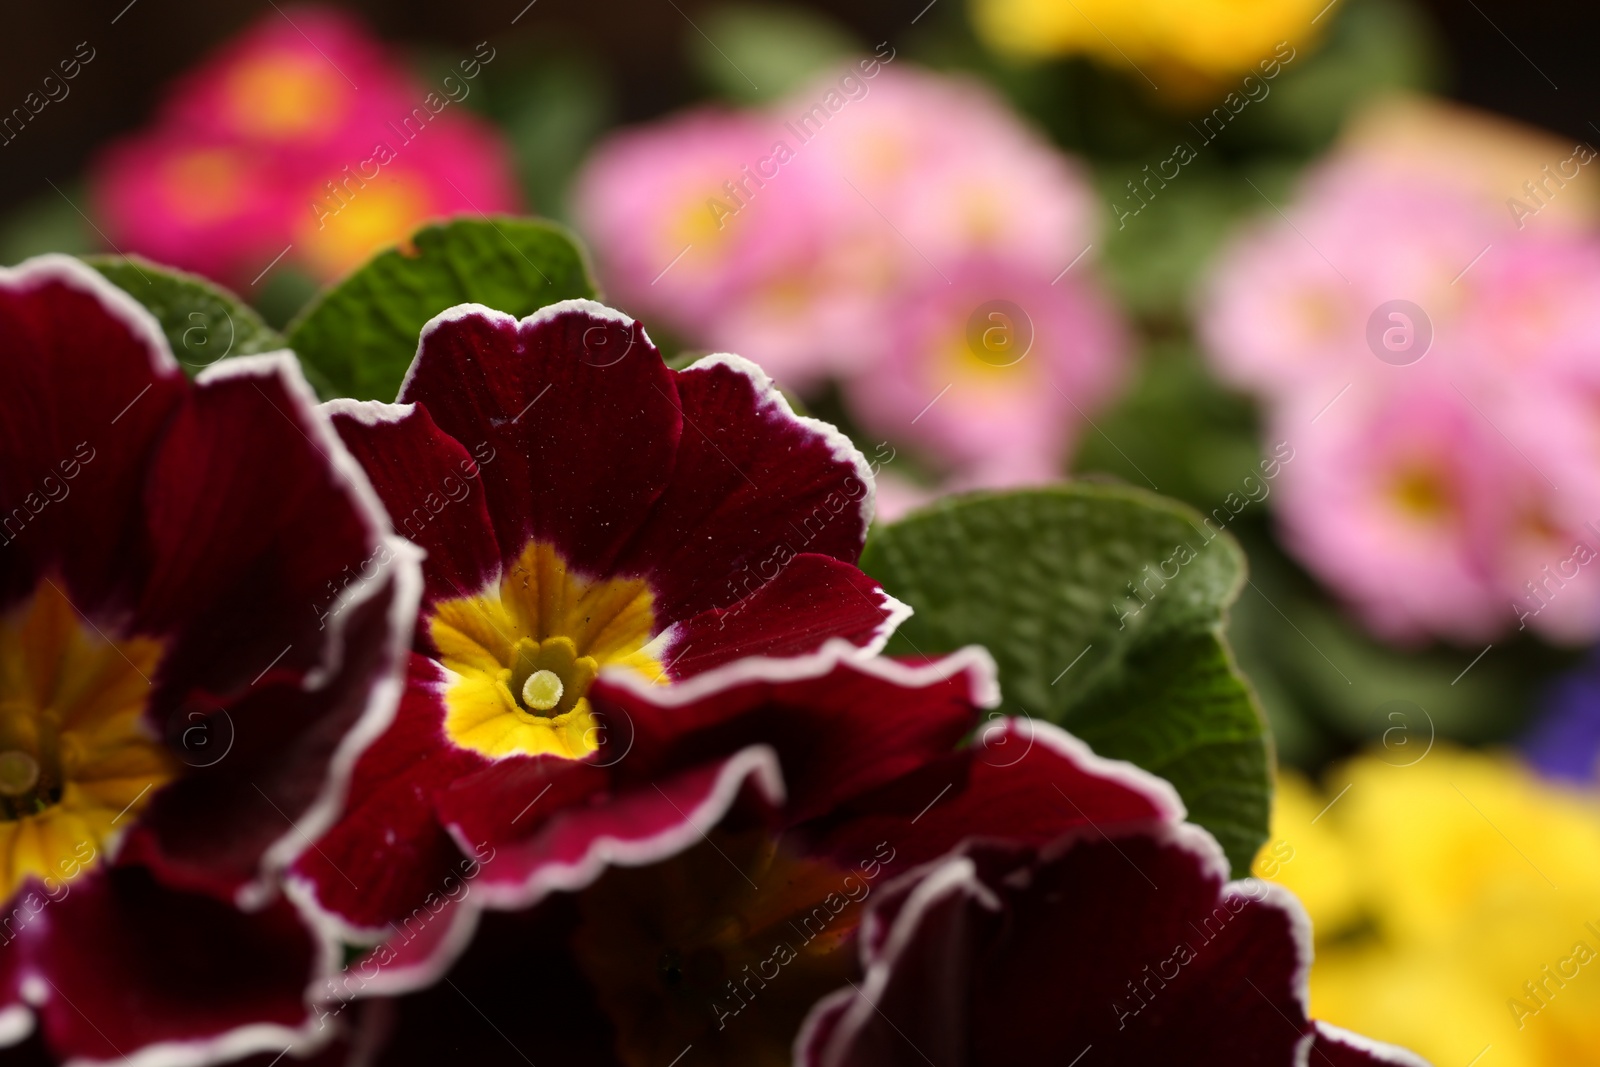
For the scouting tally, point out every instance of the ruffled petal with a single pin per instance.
(431, 487)
(90, 384)
(576, 842)
(842, 726)
(284, 608)
(120, 964)
(672, 763)
(810, 600)
(273, 774)
(388, 852)
(754, 486)
(1133, 943)
(570, 413)
(1337, 1047)
(673, 759)
(1021, 780)
(259, 521)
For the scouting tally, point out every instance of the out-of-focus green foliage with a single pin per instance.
(755, 54)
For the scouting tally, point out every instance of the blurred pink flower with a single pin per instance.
(302, 134)
(675, 233)
(849, 233)
(1395, 503)
(1286, 307)
(952, 168)
(209, 206)
(991, 374)
(1443, 494)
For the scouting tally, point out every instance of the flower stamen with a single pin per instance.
(542, 691)
(19, 773)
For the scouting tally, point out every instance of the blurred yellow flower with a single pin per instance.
(1456, 903)
(1189, 40)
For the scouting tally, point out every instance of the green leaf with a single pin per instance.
(203, 322)
(362, 333)
(1063, 585)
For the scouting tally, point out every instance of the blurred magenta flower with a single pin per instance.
(1431, 356)
(856, 231)
(302, 137)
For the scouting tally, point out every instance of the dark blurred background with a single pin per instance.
(1533, 62)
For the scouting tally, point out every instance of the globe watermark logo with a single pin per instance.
(1408, 732)
(1399, 333)
(999, 333)
(200, 737)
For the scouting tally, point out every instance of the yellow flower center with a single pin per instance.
(542, 691)
(1321, 313)
(985, 358)
(77, 760)
(523, 653)
(286, 95)
(1422, 494)
(346, 226)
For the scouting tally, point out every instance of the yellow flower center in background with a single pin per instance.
(981, 214)
(77, 760)
(286, 95)
(1322, 314)
(524, 652)
(1422, 493)
(704, 220)
(986, 356)
(343, 228)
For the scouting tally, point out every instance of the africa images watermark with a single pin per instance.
(1224, 113)
(752, 577)
(1156, 977)
(351, 982)
(54, 90)
(341, 192)
(1154, 582)
(1549, 586)
(29, 905)
(454, 489)
(51, 490)
(812, 925)
(1523, 210)
(1539, 994)
(849, 88)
